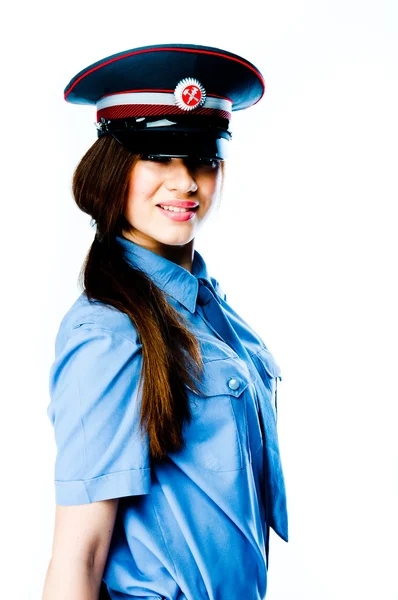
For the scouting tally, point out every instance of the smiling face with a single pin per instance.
(170, 181)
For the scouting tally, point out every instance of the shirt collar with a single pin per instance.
(173, 279)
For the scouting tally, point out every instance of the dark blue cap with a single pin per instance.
(169, 99)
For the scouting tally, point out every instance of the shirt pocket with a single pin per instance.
(270, 373)
(217, 436)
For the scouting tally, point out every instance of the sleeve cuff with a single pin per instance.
(113, 485)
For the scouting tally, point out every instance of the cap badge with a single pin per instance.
(189, 94)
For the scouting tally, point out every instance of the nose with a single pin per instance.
(179, 177)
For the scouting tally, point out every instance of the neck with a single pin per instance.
(181, 255)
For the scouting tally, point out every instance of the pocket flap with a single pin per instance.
(268, 362)
(225, 376)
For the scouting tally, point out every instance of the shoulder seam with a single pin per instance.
(95, 326)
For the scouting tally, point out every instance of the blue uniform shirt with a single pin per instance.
(195, 526)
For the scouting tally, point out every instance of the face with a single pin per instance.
(159, 181)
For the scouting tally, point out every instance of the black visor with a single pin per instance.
(182, 137)
(174, 144)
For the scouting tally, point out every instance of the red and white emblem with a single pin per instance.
(189, 94)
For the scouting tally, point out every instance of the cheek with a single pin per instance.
(141, 191)
(210, 184)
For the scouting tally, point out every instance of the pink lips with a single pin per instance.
(177, 216)
(179, 203)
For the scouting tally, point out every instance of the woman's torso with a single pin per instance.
(200, 533)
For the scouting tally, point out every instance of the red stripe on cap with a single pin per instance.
(124, 111)
(169, 50)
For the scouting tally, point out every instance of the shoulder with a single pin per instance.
(93, 315)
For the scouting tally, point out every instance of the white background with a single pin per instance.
(304, 245)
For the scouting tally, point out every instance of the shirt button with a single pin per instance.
(233, 384)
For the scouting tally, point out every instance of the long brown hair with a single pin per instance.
(171, 357)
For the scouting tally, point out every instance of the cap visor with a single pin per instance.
(174, 144)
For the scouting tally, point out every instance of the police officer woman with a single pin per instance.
(163, 400)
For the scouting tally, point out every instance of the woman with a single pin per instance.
(163, 400)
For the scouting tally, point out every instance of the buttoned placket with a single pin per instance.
(219, 323)
(216, 319)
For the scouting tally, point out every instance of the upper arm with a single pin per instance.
(95, 412)
(82, 533)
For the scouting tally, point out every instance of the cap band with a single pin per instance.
(160, 98)
(143, 104)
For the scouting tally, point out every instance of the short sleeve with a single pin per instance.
(95, 412)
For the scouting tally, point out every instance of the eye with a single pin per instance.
(156, 158)
(211, 163)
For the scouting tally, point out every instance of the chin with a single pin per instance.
(180, 241)
(175, 239)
